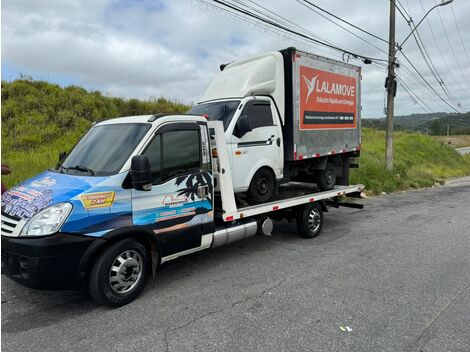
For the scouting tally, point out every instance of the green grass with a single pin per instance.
(419, 161)
(40, 119)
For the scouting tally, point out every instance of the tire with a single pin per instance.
(262, 186)
(310, 222)
(116, 282)
(326, 179)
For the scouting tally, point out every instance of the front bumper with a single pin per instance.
(53, 262)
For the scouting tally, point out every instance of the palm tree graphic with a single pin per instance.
(192, 183)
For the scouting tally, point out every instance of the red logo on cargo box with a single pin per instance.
(327, 100)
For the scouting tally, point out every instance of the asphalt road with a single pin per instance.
(463, 151)
(394, 276)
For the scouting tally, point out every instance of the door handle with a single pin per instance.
(202, 191)
(278, 141)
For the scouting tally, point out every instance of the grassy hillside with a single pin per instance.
(419, 161)
(40, 119)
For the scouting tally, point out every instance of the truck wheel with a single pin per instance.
(262, 186)
(326, 179)
(120, 273)
(310, 222)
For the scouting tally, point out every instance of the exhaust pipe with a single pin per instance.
(234, 233)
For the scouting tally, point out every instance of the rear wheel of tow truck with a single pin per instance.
(310, 221)
(326, 179)
(262, 186)
(120, 273)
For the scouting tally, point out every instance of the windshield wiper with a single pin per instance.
(81, 168)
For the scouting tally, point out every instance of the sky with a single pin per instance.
(152, 48)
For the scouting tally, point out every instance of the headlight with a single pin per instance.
(47, 221)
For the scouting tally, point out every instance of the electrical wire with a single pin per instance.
(436, 42)
(460, 34)
(451, 47)
(344, 21)
(414, 97)
(289, 30)
(427, 59)
(302, 2)
(427, 83)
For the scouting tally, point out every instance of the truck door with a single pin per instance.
(179, 207)
(262, 146)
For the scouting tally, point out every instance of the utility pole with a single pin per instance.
(391, 89)
(447, 130)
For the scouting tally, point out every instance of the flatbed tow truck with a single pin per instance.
(109, 228)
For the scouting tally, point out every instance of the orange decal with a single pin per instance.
(327, 100)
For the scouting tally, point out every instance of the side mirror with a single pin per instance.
(62, 156)
(141, 175)
(243, 126)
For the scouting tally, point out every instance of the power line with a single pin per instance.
(265, 27)
(284, 19)
(450, 45)
(286, 29)
(460, 34)
(426, 57)
(344, 21)
(414, 97)
(302, 2)
(440, 50)
(427, 83)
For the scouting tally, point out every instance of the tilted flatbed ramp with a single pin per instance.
(222, 172)
(290, 202)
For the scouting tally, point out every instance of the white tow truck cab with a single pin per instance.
(287, 116)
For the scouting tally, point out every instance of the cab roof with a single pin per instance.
(151, 119)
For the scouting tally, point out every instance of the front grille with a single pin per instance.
(10, 225)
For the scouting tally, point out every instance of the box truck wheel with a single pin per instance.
(262, 186)
(120, 273)
(310, 221)
(326, 179)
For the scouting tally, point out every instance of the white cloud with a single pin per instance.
(173, 48)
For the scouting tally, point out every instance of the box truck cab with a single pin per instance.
(254, 139)
(288, 115)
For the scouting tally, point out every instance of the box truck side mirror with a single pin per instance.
(141, 175)
(62, 156)
(243, 126)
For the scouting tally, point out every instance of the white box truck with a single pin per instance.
(288, 116)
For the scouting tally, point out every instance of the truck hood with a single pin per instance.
(28, 198)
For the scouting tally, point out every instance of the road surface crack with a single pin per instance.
(168, 332)
(437, 315)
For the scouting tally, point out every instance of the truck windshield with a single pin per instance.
(217, 111)
(104, 149)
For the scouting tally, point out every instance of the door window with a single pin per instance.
(173, 153)
(259, 114)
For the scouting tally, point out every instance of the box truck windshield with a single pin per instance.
(104, 149)
(217, 111)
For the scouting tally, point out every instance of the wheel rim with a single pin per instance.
(330, 178)
(126, 271)
(262, 186)
(314, 220)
